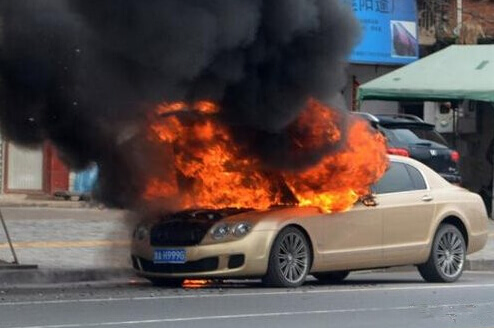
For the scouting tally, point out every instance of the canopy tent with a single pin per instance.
(457, 72)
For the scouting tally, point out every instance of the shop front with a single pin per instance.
(33, 170)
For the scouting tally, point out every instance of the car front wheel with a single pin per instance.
(447, 258)
(289, 260)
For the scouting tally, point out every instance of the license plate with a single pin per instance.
(169, 256)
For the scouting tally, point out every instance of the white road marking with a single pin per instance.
(257, 315)
(256, 294)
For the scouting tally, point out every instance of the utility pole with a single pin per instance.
(14, 255)
(459, 13)
(15, 264)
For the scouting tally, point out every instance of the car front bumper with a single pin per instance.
(246, 257)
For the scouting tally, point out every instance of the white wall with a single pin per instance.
(366, 73)
(25, 168)
(379, 107)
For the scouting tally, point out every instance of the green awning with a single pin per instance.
(457, 72)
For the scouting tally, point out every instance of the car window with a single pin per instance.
(429, 134)
(396, 179)
(414, 135)
(417, 178)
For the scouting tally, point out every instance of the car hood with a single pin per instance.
(277, 213)
(209, 217)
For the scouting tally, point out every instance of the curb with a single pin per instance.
(54, 276)
(15, 266)
(470, 265)
(479, 265)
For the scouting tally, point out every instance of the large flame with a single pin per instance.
(212, 171)
(339, 180)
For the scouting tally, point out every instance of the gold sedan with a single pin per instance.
(413, 217)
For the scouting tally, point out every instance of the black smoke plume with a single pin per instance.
(85, 74)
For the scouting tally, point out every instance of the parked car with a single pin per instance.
(414, 217)
(408, 135)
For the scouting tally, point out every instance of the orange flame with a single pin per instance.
(166, 108)
(316, 127)
(213, 172)
(206, 157)
(157, 188)
(339, 180)
(196, 283)
(205, 106)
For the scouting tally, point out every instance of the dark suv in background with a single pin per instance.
(408, 135)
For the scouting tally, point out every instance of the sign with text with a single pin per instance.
(389, 31)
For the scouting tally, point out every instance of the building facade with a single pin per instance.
(444, 22)
(389, 40)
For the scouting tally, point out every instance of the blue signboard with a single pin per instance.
(389, 31)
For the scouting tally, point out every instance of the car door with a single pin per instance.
(407, 208)
(348, 240)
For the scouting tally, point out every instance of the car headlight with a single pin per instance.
(141, 232)
(220, 231)
(237, 230)
(241, 229)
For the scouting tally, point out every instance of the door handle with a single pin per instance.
(427, 198)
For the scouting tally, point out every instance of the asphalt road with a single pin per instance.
(399, 299)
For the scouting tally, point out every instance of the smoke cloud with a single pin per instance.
(86, 74)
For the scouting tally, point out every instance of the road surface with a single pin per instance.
(397, 299)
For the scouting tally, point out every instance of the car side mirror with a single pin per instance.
(369, 200)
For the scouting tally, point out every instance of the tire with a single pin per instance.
(166, 282)
(290, 259)
(447, 258)
(331, 277)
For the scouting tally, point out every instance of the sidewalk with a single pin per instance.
(23, 200)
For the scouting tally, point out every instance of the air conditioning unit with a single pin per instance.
(444, 116)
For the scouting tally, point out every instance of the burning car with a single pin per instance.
(414, 216)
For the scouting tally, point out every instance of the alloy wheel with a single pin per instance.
(447, 257)
(293, 259)
(450, 254)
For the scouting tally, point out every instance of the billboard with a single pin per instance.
(389, 31)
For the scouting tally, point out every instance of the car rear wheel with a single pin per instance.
(447, 258)
(166, 282)
(331, 277)
(289, 260)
